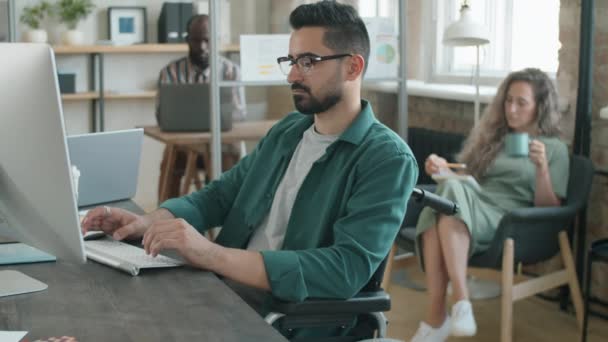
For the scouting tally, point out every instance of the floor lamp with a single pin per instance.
(467, 32)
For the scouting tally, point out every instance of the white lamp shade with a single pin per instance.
(465, 31)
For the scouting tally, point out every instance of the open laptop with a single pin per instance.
(185, 107)
(108, 163)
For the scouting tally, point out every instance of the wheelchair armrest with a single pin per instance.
(427, 187)
(363, 302)
(414, 208)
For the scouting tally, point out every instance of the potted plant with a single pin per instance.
(71, 12)
(31, 17)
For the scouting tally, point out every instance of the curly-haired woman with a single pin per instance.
(526, 102)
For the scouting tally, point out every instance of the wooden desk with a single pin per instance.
(93, 302)
(199, 143)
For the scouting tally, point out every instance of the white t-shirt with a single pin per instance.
(271, 232)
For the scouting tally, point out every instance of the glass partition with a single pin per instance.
(258, 32)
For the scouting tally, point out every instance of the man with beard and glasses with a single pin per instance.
(314, 209)
(193, 69)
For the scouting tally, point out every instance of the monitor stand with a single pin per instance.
(14, 282)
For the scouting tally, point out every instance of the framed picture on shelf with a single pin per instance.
(127, 25)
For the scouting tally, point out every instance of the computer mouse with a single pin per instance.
(94, 235)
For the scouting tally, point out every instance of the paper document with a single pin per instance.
(259, 54)
(384, 48)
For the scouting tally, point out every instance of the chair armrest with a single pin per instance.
(364, 302)
(598, 243)
(538, 214)
(534, 231)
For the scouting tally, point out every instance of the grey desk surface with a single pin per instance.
(93, 302)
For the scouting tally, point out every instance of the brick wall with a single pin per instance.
(427, 112)
(444, 115)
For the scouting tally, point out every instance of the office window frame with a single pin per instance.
(441, 65)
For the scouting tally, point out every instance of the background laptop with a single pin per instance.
(185, 107)
(108, 164)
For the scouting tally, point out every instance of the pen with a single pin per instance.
(456, 166)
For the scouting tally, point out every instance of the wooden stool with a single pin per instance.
(191, 174)
(191, 171)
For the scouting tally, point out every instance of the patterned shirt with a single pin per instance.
(184, 71)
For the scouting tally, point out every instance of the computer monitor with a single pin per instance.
(37, 204)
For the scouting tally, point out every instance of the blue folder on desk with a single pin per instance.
(19, 253)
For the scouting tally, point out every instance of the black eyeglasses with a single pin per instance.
(305, 62)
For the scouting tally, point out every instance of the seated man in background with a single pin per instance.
(314, 209)
(194, 68)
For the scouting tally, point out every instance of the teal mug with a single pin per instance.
(517, 144)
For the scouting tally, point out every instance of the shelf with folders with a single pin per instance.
(137, 48)
(93, 95)
(96, 89)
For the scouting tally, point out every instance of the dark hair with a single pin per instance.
(195, 18)
(345, 31)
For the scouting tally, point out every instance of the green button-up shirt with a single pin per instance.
(345, 215)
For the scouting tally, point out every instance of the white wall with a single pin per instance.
(139, 72)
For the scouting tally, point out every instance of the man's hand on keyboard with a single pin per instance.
(117, 222)
(179, 235)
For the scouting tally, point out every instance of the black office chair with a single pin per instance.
(366, 308)
(539, 234)
(424, 141)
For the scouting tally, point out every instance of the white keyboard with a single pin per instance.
(125, 257)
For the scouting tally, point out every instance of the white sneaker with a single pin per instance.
(463, 321)
(426, 333)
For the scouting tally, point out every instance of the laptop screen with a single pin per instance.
(108, 163)
(185, 107)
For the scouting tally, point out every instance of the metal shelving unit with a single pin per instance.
(97, 93)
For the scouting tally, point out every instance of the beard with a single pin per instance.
(200, 60)
(309, 104)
